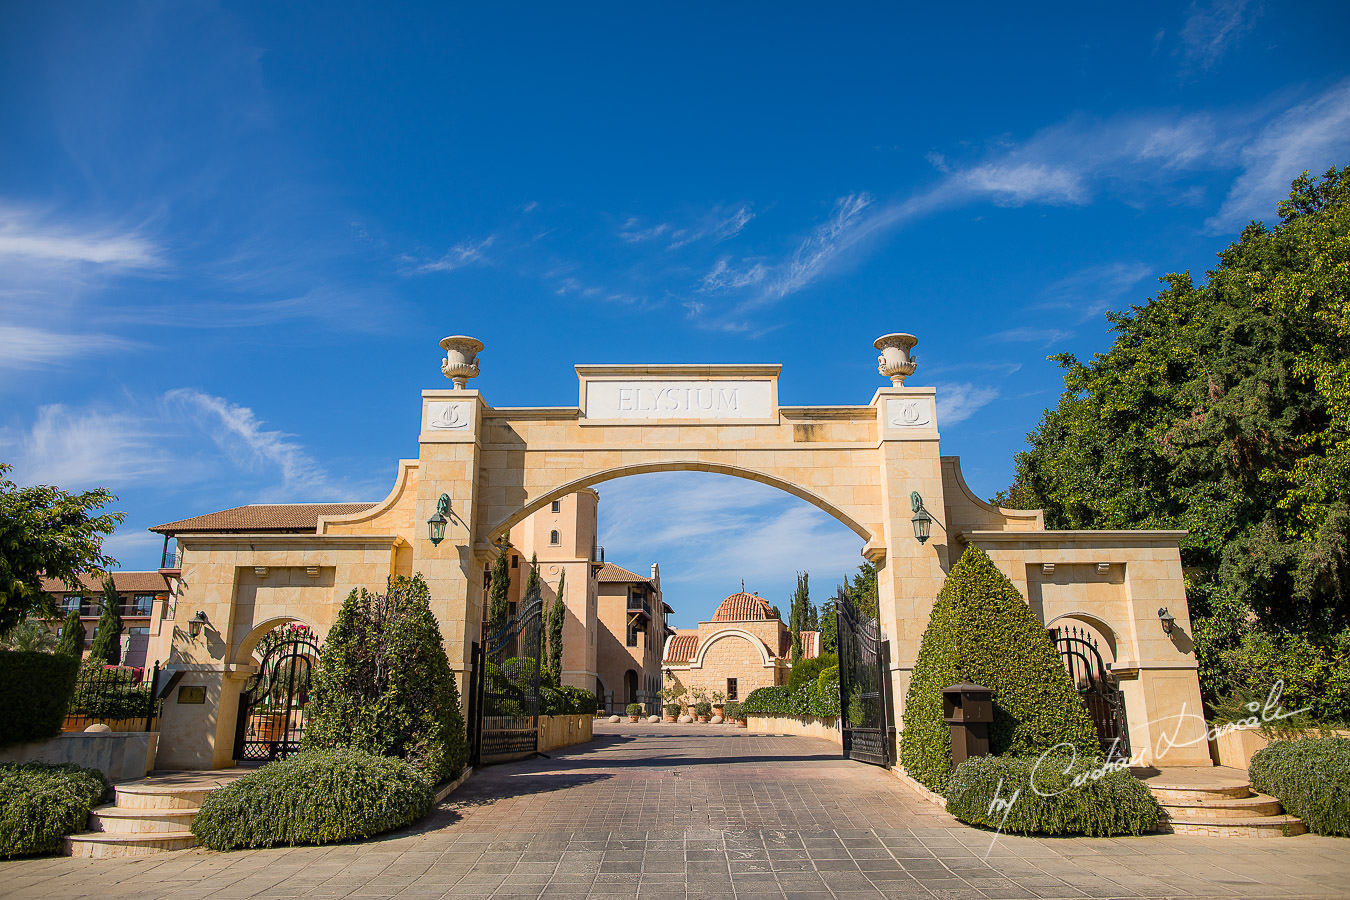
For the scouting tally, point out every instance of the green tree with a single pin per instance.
(800, 616)
(384, 685)
(557, 616)
(532, 580)
(981, 630)
(499, 589)
(829, 628)
(862, 590)
(72, 636)
(1222, 409)
(46, 532)
(30, 635)
(107, 646)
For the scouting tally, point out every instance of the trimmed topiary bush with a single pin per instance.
(703, 708)
(1051, 795)
(634, 709)
(729, 712)
(1311, 777)
(673, 710)
(808, 670)
(314, 797)
(40, 804)
(35, 691)
(982, 631)
(384, 685)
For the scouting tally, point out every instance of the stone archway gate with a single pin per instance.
(484, 469)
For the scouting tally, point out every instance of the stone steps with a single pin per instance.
(150, 816)
(1219, 803)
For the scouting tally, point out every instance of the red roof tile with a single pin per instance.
(297, 518)
(743, 607)
(681, 649)
(617, 574)
(139, 582)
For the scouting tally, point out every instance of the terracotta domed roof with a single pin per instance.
(743, 607)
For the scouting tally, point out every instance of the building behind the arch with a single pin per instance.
(872, 465)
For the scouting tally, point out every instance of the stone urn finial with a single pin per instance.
(895, 362)
(461, 358)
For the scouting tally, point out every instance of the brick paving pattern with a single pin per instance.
(692, 811)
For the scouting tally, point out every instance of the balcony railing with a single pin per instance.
(640, 604)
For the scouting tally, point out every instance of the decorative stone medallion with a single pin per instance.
(451, 416)
(902, 413)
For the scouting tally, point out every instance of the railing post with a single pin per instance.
(154, 690)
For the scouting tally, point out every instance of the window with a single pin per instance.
(142, 604)
(557, 506)
(139, 629)
(70, 603)
(632, 636)
(515, 562)
(553, 539)
(731, 689)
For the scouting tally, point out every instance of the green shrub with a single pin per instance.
(731, 711)
(580, 702)
(703, 708)
(828, 677)
(314, 797)
(634, 709)
(519, 672)
(35, 691)
(107, 645)
(71, 642)
(982, 631)
(39, 804)
(124, 703)
(1051, 795)
(1311, 777)
(807, 700)
(808, 670)
(673, 709)
(384, 685)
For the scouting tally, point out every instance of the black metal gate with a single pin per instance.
(272, 704)
(504, 694)
(864, 705)
(1098, 688)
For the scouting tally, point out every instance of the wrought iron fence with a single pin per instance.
(115, 694)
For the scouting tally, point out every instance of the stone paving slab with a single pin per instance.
(653, 812)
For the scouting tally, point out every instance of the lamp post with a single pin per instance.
(436, 524)
(197, 623)
(1167, 620)
(922, 521)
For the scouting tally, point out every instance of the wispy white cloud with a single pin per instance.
(465, 253)
(83, 448)
(237, 431)
(957, 402)
(717, 225)
(1212, 29)
(1019, 183)
(26, 239)
(1314, 136)
(28, 348)
(1091, 291)
(1031, 335)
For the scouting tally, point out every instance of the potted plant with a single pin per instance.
(697, 696)
(719, 702)
(634, 711)
(733, 712)
(703, 709)
(672, 712)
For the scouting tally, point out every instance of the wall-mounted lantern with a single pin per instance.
(196, 624)
(1167, 619)
(922, 521)
(436, 524)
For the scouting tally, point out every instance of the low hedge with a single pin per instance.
(39, 804)
(807, 700)
(808, 670)
(314, 797)
(566, 701)
(1311, 777)
(1068, 796)
(35, 691)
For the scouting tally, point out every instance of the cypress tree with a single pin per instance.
(499, 589)
(557, 615)
(799, 615)
(384, 685)
(107, 646)
(72, 636)
(982, 631)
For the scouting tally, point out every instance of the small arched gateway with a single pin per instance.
(871, 464)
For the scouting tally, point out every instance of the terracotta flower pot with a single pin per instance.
(670, 718)
(704, 719)
(740, 723)
(633, 718)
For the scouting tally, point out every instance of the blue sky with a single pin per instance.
(232, 235)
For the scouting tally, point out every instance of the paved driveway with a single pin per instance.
(693, 811)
